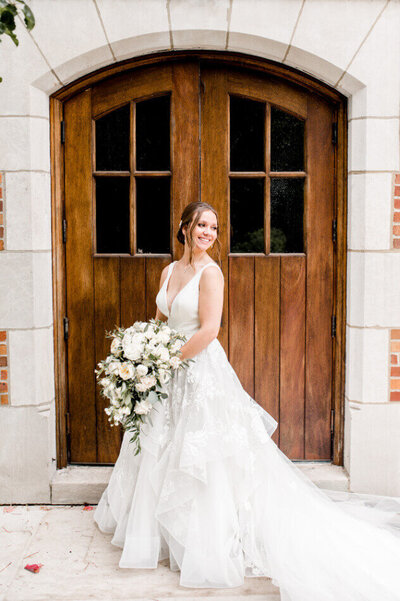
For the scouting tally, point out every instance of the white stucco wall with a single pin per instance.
(353, 45)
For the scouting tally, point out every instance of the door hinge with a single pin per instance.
(64, 230)
(334, 230)
(66, 328)
(332, 421)
(333, 326)
(67, 423)
(62, 128)
(334, 133)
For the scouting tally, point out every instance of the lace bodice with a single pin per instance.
(184, 313)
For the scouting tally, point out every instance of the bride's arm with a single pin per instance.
(160, 315)
(211, 299)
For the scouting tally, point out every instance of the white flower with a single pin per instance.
(176, 346)
(162, 352)
(139, 326)
(133, 345)
(175, 362)
(163, 336)
(113, 367)
(164, 376)
(141, 370)
(143, 407)
(105, 382)
(126, 370)
(116, 346)
(145, 383)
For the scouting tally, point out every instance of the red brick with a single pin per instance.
(1, 219)
(396, 230)
(396, 243)
(396, 217)
(1, 205)
(3, 361)
(1, 178)
(3, 335)
(1, 244)
(4, 399)
(4, 387)
(397, 178)
(397, 203)
(395, 334)
(394, 384)
(3, 349)
(394, 359)
(1, 193)
(4, 373)
(395, 396)
(2, 230)
(395, 346)
(397, 190)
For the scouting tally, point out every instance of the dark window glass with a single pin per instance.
(112, 141)
(247, 215)
(152, 214)
(287, 202)
(152, 134)
(112, 214)
(287, 142)
(247, 125)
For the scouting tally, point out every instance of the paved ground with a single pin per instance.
(79, 563)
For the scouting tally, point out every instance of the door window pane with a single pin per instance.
(247, 215)
(287, 202)
(112, 141)
(153, 214)
(112, 214)
(287, 141)
(152, 134)
(247, 127)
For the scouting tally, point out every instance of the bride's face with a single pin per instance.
(205, 231)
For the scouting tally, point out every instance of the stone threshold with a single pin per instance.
(78, 484)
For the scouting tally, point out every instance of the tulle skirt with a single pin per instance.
(212, 492)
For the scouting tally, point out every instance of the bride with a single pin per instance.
(212, 492)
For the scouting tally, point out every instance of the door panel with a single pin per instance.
(259, 150)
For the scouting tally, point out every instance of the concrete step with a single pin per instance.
(80, 563)
(78, 484)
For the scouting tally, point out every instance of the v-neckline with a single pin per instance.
(178, 293)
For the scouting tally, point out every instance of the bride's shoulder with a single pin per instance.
(164, 273)
(213, 274)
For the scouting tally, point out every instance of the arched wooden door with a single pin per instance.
(138, 148)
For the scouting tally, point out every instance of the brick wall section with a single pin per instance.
(3, 368)
(395, 365)
(2, 236)
(396, 212)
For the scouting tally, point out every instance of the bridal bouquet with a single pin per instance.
(143, 357)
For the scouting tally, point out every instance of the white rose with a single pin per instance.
(139, 326)
(126, 370)
(175, 362)
(141, 370)
(162, 352)
(116, 346)
(105, 382)
(143, 407)
(113, 367)
(163, 336)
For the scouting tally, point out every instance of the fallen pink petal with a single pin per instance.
(33, 567)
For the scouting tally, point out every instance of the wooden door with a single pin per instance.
(135, 147)
(268, 167)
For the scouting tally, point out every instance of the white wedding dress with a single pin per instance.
(213, 493)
